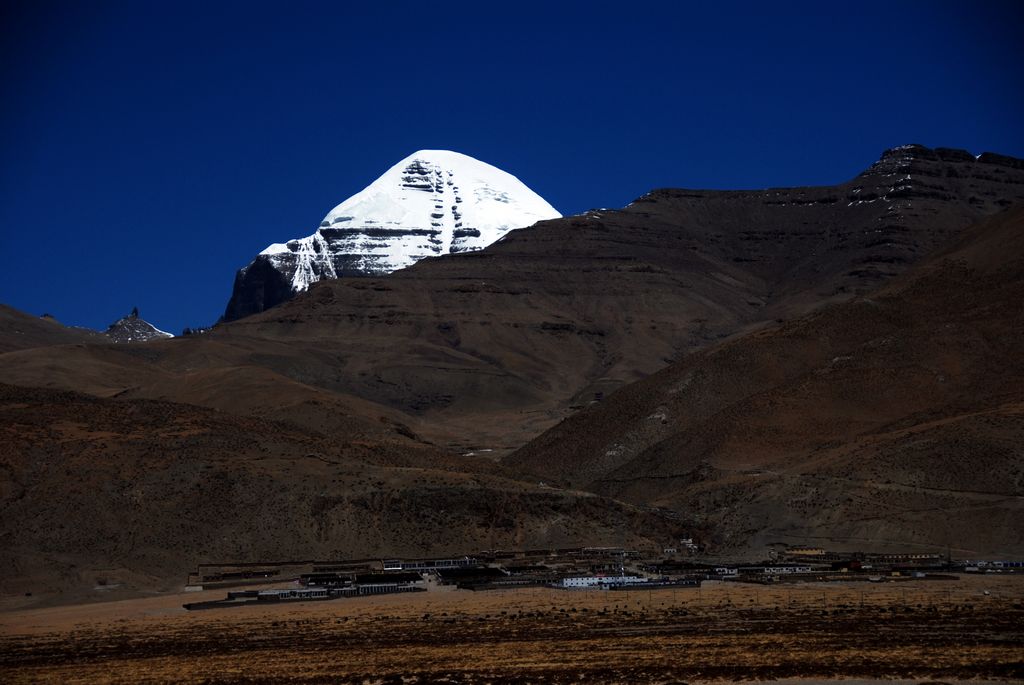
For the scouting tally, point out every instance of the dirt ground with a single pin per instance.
(914, 631)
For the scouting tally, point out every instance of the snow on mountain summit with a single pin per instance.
(431, 203)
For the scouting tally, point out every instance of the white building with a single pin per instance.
(600, 581)
(780, 570)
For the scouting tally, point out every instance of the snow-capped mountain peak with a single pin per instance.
(431, 203)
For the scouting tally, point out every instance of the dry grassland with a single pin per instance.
(921, 631)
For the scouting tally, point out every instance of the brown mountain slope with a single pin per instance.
(487, 349)
(895, 419)
(137, 492)
(207, 372)
(553, 315)
(21, 331)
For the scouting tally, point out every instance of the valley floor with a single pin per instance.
(967, 629)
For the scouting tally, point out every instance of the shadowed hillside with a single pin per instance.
(135, 493)
(21, 331)
(895, 419)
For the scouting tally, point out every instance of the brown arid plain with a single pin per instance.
(966, 630)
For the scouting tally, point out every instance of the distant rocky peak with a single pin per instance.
(133, 328)
(938, 162)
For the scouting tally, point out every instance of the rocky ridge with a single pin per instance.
(133, 329)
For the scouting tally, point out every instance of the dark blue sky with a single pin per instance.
(150, 149)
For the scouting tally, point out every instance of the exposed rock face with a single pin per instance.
(839, 240)
(132, 328)
(431, 203)
(263, 284)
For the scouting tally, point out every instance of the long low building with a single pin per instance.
(426, 564)
(774, 570)
(245, 597)
(600, 581)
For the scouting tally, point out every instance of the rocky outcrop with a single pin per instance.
(260, 285)
(133, 329)
(832, 241)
